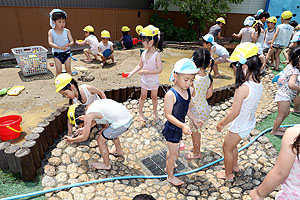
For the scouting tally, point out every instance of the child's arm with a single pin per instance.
(254, 37)
(292, 82)
(212, 51)
(210, 91)
(219, 36)
(281, 169)
(112, 48)
(158, 67)
(121, 39)
(238, 35)
(71, 41)
(82, 43)
(136, 69)
(168, 107)
(94, 90)
(274, 37)
(240, 94)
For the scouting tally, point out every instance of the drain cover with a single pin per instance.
(156, 163)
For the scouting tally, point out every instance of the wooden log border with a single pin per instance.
(26, 159)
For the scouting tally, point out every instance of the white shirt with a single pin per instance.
(246, 33)
(220, 50)
(103, 47)
(284, 36)
(93, 42)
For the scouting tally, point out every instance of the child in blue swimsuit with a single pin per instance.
(176, 106)
(60, 39)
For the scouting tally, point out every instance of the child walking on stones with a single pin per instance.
(60, 39)
(242, 115)
(176, 105)
(115, 120)
(84, 94)
(287, 90)
(202, 89)
(92, 41)
(149, 68)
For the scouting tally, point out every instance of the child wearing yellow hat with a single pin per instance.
(92, 41)
(215, 30)
(281, 37)
(248, 92)
(126, 39)
(106, 48)
(269, 33)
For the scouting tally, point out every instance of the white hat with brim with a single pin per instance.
(184, 66)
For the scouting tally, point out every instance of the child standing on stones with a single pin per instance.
(242, 115)
(84, 94)
(202, 89)
(246, 32)
(60, 39)
(176, 105)
(288, 90)
(115, 120)
(149, 68)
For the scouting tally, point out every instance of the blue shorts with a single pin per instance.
(128, 45)
(111, 134)
(172, 133)
(62, 56)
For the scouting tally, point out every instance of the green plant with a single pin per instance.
(172, 32)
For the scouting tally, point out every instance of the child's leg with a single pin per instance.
(283, 109)
(68, 66)
(58, 66)
(171, 157)
(272, 59)
(269, 54)
(196, 139)
(277, 58)
(263, 61)
(122, 43)
(118, 149)
(104, 153)
(87, 53)
(286, 55)
(216, 71)
(112, 58)
(141, 104)
(103, 60)
(297, 103)
(230, 155)
(154, 102)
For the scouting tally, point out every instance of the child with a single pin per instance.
(242, 115)
(263, 16)
(115, 120)
(258, 39)
(286, 52)
(269, 33)
(60, 39)
(138, 29)
(281, 37)
(202, 90)
(92, 41)
(126, 39)
(177, 101)
(286, 170)
(214, 48)
(287, 91)
(84, 94)
(149, 68)
(106, 46)
(215, 30)
(247, 31)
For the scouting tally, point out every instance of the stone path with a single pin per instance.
(68, 164)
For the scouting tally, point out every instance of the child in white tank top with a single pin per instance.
(84, 94)
(242, 115)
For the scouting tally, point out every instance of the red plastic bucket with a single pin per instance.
(134, 41)
(10, 127)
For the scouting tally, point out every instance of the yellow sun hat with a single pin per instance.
(287, 14)
(243, 51)
(138, 28)
(272, 19)
(105, 34)
(255, 22)
(89, 28)
(125, 29)
(149, 30)
(62, 80)
(221, 19)
(71, 113)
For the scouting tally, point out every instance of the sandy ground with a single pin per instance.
(39, 99)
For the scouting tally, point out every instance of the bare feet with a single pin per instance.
(101, 165)
(191, 155)
(116, 153)
(175, 181)
(101, 64)
(285, 62)
(279, 133)
(88, 61)
(235, 169)
(281, 129)
(142, 119)
(221, 174)
(156, 118)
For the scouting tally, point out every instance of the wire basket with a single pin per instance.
(32, 60)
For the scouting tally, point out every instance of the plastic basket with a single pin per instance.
(32, 60)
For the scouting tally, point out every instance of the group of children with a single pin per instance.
(60, 39)
(192, 86)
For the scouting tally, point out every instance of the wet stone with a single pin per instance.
(61, 177)
(56, 152)
(55, 161)
(48, 181)
(49, 170)
(64, 195)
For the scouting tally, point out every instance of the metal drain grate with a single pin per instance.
(156, 163)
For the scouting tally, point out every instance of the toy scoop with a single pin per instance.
(80, 40)
(125, 75)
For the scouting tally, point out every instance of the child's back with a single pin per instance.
(246, 33)
(284, 35)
